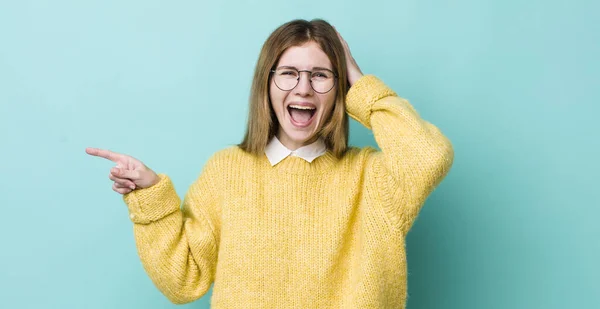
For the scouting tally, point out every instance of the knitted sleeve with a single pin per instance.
(415, 156)
(178, 246)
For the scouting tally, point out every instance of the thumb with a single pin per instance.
(125, 173)
(142, 178)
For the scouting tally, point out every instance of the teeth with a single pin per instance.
(301, 107)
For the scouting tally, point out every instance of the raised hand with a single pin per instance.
(354, 72)
(129, 173)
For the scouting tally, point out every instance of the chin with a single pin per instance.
(299, 137)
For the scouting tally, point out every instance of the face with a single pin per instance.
(301, 111)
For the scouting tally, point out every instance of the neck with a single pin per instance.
(299, 166)
(293, 145)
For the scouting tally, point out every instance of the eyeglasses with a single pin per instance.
(321, 80)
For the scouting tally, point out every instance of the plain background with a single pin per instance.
(513, 84)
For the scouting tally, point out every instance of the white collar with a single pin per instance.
(276, 151)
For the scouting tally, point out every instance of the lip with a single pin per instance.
(301, 125)
(301, 104)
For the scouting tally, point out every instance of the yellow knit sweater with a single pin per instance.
(326, 234)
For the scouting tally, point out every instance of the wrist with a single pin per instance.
(354, 76)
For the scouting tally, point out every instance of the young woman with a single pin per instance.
(293, 217)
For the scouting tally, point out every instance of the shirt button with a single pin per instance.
(132, 216)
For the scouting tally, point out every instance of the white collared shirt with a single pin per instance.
(276, 151)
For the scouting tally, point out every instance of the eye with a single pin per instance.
(321, 74)
(288, 73)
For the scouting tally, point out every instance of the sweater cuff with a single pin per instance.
(153, 203)
(362, 95)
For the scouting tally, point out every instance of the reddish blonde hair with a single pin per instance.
(262, 121)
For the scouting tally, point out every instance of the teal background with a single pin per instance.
(513, 84)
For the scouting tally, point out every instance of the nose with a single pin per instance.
(304, 88)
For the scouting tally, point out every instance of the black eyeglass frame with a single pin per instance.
(335, 77)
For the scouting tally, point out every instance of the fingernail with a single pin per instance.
(132, 187)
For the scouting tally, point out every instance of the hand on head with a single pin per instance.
(354, 72)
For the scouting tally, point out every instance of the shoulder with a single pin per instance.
(354, 152)
(359, 154)
(233, 152)
(229, 156)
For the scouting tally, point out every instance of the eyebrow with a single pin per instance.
(313, 68)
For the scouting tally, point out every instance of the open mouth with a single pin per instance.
(301, 115)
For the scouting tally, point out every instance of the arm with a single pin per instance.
(177, 247)
(415, 156)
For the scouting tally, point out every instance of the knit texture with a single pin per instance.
(326, 234)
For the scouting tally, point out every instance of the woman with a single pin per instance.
(292, 217)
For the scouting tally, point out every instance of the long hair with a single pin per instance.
(262, 121)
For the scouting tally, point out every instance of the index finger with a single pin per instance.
(344, 44)
(103, 153)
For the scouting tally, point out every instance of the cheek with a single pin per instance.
(328, 102)
(276, 97)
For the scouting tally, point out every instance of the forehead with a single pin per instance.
(305, 57)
